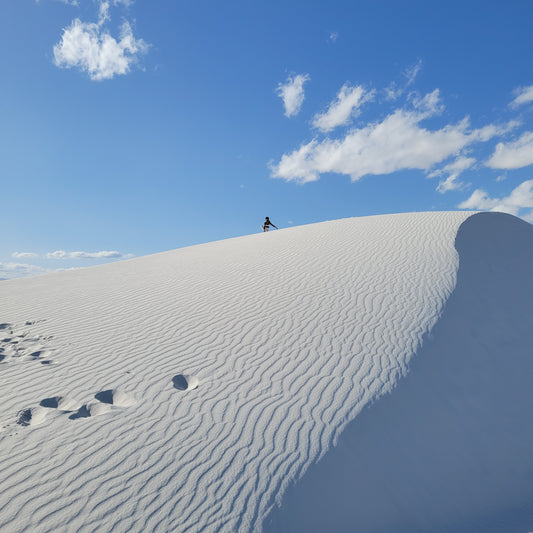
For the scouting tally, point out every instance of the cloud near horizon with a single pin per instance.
(292, 93)
(61, 254)
(20, 270)
(520, 198)
(24, 255)
(89, 47)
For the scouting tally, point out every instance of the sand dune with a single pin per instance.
(188, 390)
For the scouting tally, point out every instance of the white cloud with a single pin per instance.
(395, 90)
(524, 95)
(428, 105)
(24, 255)
(61, 254)
(453, 171)
(292, 93)
(103, 13)
(515, 154)
(343, 108)
(19, 270)
(411, 72)
(92, 49)
(396, 143)
(333, 36)
(520, 198)
(95, 255)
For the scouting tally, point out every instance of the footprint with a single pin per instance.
(117, 397)
(62, 403)
(40, 354)
(82, 412)
(104, 402)
(91, 409)
(98, 408)
(32, 416)
(19, 343)
(185, 382)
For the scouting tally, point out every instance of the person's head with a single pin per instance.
(266, 218)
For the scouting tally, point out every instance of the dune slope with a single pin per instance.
(451, 448)
(186, 390)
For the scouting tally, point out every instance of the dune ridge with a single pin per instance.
(289, 334)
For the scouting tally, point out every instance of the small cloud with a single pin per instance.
(343, 108)
(520, 198)
(502, 177)
(452, 171)
(411, 72)
(292, 93)
(428, 105)
(515, 154)
(89, 47)
(20, 270)
(393, 92)
(95, 255)
(333, 36)
(524, 95)
(24, 255)
(61, 254)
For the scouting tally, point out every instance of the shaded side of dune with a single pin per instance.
(451, 448)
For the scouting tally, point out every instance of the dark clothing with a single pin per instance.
(267, 224)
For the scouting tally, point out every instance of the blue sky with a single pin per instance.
(131, 127)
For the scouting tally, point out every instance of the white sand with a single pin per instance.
(219, 373)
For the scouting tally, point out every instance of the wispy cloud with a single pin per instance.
(292, 93)
(411, 72)
(89, 47)
(398, 142)
(396, 90)
(61, 254)
(452, 172)
(524, 95)
(520, 198)
(515, 154)
(11, 270)
(345, 106)
(20, 270)
(333, 36)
